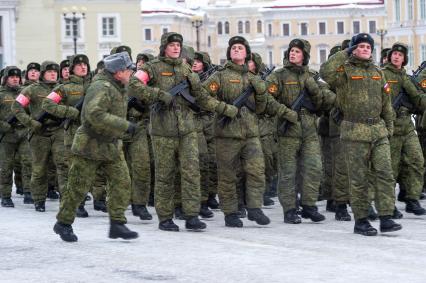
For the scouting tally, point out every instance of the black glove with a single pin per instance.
(131, 130)
(350, 49)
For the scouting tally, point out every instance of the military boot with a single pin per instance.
(19, 191)
(401, 195)
(397, 214)
(256, 214)
(179, 213)
(291, 217)
(40, 206)
(363, 227)
(193, 223)
(119, 230)
(205, 212)
(212, 202)
(372, 213)
(7, 202)
(342, 213)
(267, 201)
(65, 232)
(100, 205)
(413, 206)
(388, 225)
(331, 206)
(242, 213)
(141, 211)
(52, 194)
(422, 195)
(312, 213)
(168, 225)
(81, 212)
(28, 198)
(233, 220)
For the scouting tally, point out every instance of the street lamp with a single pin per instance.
(197, 22)
(381, 32)
(74, 18)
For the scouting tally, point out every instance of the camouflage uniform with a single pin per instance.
(421, 121)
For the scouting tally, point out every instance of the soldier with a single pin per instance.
(298, 145)
(64, 71)
(13, 144)
(32, 74)
(143, 58)
(173, 132)
(367, 121)
(47, 135)
(405, 147)
(97, 145)
(384, 56)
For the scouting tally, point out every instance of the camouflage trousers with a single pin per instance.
(138, 162)
(247, 155)
(81, 179)
(208, 121)
(42, 149)
(17, 170)
(327, 166)
(422, 139)
(270, 154)
(408, 163)
(340, 188)
(172, 154)
(9, 154)
(369, 166)
(301, 155)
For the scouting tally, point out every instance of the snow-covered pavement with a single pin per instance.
(309, 252)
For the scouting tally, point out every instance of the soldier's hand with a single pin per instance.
(312, 86)
(131, 130)
(291, 116)
(36, 126)
(165, 97)
(72, 113)
(350, 49)
(230, 111)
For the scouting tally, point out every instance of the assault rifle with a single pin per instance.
(42, 118)
(206, 74)
(133, 102)
(79, 106)
(11, 121)
(242, 99)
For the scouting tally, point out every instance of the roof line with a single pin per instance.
(381, 2)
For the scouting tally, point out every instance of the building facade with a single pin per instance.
(8, 17)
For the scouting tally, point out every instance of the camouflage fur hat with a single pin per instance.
(203, 57)
(49, 66)
(336, 48)
(303, 45)
(77, 59)
(146, 57)
(64, 63)
(188, 53)
(345, 43)
(384, 53)
(122, 48)
(401, 47)
(257, 59)
(11, 71)
(362, 37)
(241, 40)
(169, 37)
(30, 66)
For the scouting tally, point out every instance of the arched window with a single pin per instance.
(247, 27)
(240, 27)
(219, 28)
(259, 26)
(226, 27)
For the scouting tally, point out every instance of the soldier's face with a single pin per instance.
(12, 81)
(397, 58)
(385, 60)
(363, 51)
(80, 69)
(251, 66)
(173, 50)
(296, 56)
(33, 75)
(140, 63)
(238, 53)
(197, 67)
(65, 73)
(50, 76)
(123, 76)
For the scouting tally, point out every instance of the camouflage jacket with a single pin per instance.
(103, 120)
(362, 96)
(16, 131)
(176, 119)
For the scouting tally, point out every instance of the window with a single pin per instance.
(71, 27)
(410, 55)
(410, 12)
(148, 34)
(304, 29)
(269, 29)
(219, 28)
(109, 26)
(240, 27)
(397, 10)
(422, 9)
(372, 26)
(226, 27)
(259, 26)
(322, 55)
(247, 26)
(340, 27)
(356, 27)
(286, 29)
(321, 28)
(209, 41)
(423, 52)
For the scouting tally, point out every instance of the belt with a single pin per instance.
(367, 121)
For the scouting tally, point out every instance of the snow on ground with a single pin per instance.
(308, 252)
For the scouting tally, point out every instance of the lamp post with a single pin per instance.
(197, 22)
(381, 32)
(74, 18)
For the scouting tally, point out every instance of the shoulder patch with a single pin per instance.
(387, 88)
(273, 88)
(213, 86)
(423, 83)
(167, 74)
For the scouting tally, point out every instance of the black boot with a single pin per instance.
(7, 202)
(422, 195)
(19, 191)
(372, 213)
(212, 202)
(267, 201)
(413, 206)
(28, 198)
(40, 206)
(100, 205)
(291, 217)
(168, 225)
(52, 194)
(233, 220)
(242, 213)
(81, 212)
(193, 223)
(179, 213)
(256, 214)
(205, 212)
(388, 225)
(119, 230)
(312, 213)
(342, 213)
(401, 195)
(397, 214)
(141, 211)
(65, 232)
(363, 227)
(331, 206)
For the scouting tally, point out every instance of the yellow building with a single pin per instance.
(43, 32)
